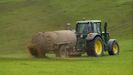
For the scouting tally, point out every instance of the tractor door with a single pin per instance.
(82, 30)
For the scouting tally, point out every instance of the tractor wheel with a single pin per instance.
(95, 47)
(113, 47)
(62, 52)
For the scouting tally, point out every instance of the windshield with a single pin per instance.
(83, 27)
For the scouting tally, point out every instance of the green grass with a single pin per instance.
(107, 65)
(20, 19)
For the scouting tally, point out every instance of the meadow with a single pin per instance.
(20, 19)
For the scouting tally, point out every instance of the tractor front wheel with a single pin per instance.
(113, 47)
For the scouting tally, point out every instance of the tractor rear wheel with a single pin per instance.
(95, 47)
(62, 52)
(113, 47)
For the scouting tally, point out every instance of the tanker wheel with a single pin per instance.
(113, 47)
(62, 52)
(95, 47)
(36, 53)
(33, 52)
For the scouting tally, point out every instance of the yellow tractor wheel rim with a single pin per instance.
(98, 47)
(115, 48)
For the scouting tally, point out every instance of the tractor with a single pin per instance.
(86, 38)
(92, 40)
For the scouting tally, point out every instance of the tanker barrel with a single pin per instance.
(51, 41)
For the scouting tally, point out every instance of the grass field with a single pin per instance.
(20, 19)
(17, 64)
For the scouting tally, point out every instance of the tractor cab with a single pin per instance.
(91, 39)
(87, 28)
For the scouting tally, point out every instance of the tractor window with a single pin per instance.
(83, 28)
(97, 28)
(90, 27)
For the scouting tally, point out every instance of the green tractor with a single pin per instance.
(92, 40)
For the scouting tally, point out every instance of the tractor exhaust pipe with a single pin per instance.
(106, 34)
(105, 27)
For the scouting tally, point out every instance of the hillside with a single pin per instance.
(20, 19)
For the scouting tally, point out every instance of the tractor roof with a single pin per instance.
(86, 21)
